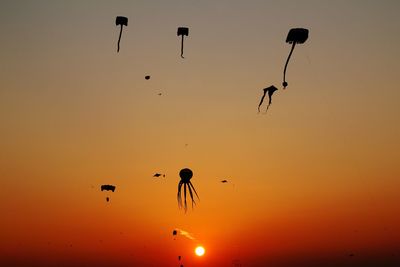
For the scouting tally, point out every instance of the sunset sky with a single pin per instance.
(313, 182)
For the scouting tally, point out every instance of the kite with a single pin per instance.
(270, 90)
(182, 31)
(186, 174)
(295, 36)
(107, 187)
(121, 21)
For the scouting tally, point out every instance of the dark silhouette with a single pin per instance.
(183, 31)
(107, 187)
(174, 233)
(270, 90)
(224, 181)
(121, 21)
(179, 258)
(159, 94)
(295, 36)
(147, 77)
(158, 175)
(186, 174)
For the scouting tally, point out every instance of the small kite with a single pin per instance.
(158, 175)
(186, 174)
(107, 187)
(295, 36)
(224, 181)
(270, 90)
(147, 77)
(121, 21)
(182, 31)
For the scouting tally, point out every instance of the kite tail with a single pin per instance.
(261, 101)
(267, 107)
(119, 39)
(287, 61)
(182, 47)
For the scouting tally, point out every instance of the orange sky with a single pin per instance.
(311, 182)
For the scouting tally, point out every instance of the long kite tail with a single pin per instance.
(261, 101)
(182, 47)
(119, 39)
(287, 61)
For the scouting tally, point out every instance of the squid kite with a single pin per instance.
(185, 174)
(295, 36)
(270, 90)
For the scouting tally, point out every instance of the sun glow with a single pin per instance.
(199, 251)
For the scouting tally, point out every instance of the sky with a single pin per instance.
(313, 182)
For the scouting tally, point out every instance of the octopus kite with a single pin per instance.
(185, 174)
(270, 90)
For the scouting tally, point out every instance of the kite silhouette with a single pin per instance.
(121, 21)
(182, 31)
(270, 90)
(186, 174)
(158, 175)
(295, 36)
(107, 187)
(147, 77)
(224, 181)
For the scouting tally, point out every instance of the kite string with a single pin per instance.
(119, 38)
(287, 61)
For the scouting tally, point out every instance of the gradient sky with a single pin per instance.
(314, 180)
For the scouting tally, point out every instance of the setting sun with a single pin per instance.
(199, 251)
